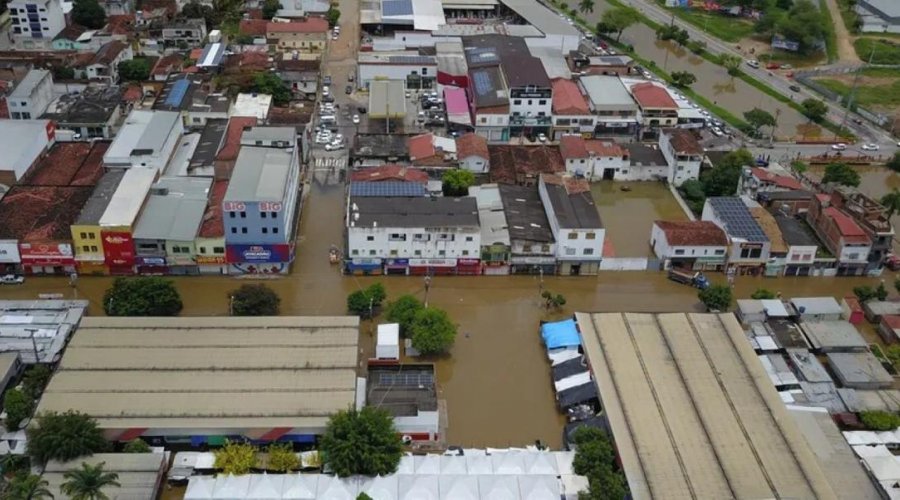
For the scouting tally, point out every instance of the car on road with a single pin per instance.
(11, 279)
(717, 132)
(326, 80)
(773, 65)
(786, 66)
(326, 89)
(870, 147)
(334, 146)
(356, 119)
(348, 89)
(753, 63)
(794, 88)
(839, 146)
(351, 77)
(542, 137)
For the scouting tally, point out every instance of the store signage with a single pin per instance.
(269, 206)
(210, 259)
(234, 206)
(533, 260)
(152, 261)
(259, 253)
(433, 262)
(366, 262)
(469, 262)
(397, 262)
(46, 254)
(118, 248)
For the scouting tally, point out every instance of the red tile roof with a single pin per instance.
(568, 99)
(782, 181)
(66, 164)
(310, 25)
(195, 54)
(253, 27)
(390, 173)
(604, 148)
(572, 146)
(471, 144)
(212, 226)
(692, 233)
(167, 64)
(684, 142)
(649, 95)
(232, 145)
(92, 169)
(892, 321)
(573, 185)
(41, 213)
(132, 94)
(4, 108)
(523, 164)
(109, 52)
(421, 146)
(121, 24)
(848, 228)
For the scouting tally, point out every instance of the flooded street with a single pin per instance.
(713, 81)
(629, 215)
(496, 380)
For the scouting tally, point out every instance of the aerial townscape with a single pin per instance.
(449, 249)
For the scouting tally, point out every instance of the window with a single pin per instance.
(417, 253)
(370, 238)
(262, 214)
(442, 252)
(483, 118)
(234, 230)
(420, 237)
(573, 236)
(243, 230)
(526, 248)
(355, 252)
(273, 215)
(720, 252)
(530, 102)
(589, 251)
(393, 253)
(570, 251)
(465, 252)
(545, 248)
(542, 102)
(86, 248)
(243, 215)
(274, 230)
(397, 237)
(371, 252)
(202, 249)
(469, 238)
(265, 230)
(751, 253)
(517, 102)
(84, 236)
(231, 215)
(26, 116)
(93, 248)
(853, 256)
(218, 249)
(590, 236)
(680, 251)
(92, 236)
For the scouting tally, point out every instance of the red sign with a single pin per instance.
(51, 130)
(118, 248)
(46, 254)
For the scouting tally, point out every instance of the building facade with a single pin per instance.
(307, 36)
(575, 223)
(691, 245)
(30, 98)
(36, 22)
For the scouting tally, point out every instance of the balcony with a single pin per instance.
(530, 120)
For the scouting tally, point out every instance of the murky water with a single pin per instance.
(713, 81)
(629, 215)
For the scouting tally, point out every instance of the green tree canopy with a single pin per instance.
(403, 311)
(266, 82)
(894, 162)
(254, 300)
(814, 109)
(683, 78)
(18, 406)
(35, 379)
(270, 8)
(618, 19)
(891, 202)
(864, 293)
(595, 458)
(364, 302)
(361, 442)
(457, 181)
(716, 297)
(333, 16)
(586, 6)
(281, 457)
(878, 420)
(88, 482)
(143, 296)
(731, 63)
(89, 13)
(136, 445)
(63, 436)
(197, 10)
(762, 294)
(805, 25)
(432, 331)
(841, 173)
(693, 194)
(758, 118)
(236, 458)
(722, 179)
(135, 70)
(26, 486)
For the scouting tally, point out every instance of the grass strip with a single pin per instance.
(830, 37)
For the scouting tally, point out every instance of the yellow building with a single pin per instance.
(308, 36)
(86, 239)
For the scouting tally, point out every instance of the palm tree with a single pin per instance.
(586, 6)
(86, 483)
(28, 487)
(891, 202)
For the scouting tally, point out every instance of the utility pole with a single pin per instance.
(427, 287)
(231, 305)
(849, 103)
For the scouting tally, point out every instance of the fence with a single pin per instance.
(624, 264)
(806, 78)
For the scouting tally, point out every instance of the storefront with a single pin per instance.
(396, 266)
(91, 267)
(364, 266)
(212, 264)
(183, 266)
(10, 262)
(259, 259)
(151, 266)
(468, 267)
(495, 268)
(118, 250)
(421, 267)
(47, 258)
(533, 265)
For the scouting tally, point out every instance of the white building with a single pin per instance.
(472, 153)
(683, 154)
(31, 96)
(416, 70)
(575, 224)
(388, 345)
(146, 139)
(698, 245)
(36, 22)
(616, 112)
(105, 64)
(22, 143)
(749, 247)
(254, 105)
(878, 16)
(593, 159)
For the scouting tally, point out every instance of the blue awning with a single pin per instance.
(560, 334)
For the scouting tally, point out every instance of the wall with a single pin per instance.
(304, 42)
(854, 254)
(89, 247)
(423, 422)
(474, 163)
(572, 244)
(50, 17)
(369, 71)
(801, 255)
(34, 105)
(420, 242)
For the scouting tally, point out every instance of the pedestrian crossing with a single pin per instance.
(325, 163)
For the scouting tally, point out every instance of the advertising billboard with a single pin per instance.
(118, 248)
(47, 254)
(259, 254)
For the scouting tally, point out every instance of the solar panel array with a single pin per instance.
(412, 59)
(737, 218)
(407, 379)
(396, 8)
(482, 55)
(176, 95)
(482, 81)
(387, 189)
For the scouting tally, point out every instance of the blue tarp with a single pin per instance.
(560, 334)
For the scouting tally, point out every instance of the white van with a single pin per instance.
(327, 119)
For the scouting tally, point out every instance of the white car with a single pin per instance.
(325, 89)
(753, 63)
(870, 147)
(839, 146)
(717, 131)
(356, 119)
(11, 279)
(542, 138)
(704, 112)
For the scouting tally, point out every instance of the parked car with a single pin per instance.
(326, 80)
(542, 137)
(839, 146)
(11, 279)
(717, 131)
(870, 147)
(794, 88)
(773, 65)
(350, 77)
(356, 119)
(892, 262)
(753, 63)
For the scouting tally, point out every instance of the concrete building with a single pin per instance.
(833, 336)
(30, 98)
(695, 245)
(210, 242)
(36, 23)
(817, 308)
(859, 370)
(748, 245)
(120, 218)
(146, 139)
(613, 106)
(168, 225)
(594, 159)
(178, 34)
(658, 109)
(252, 105)
(93, 113)
(140, 475)
(417, 71)
(409, 393)
(802, 258)
(306, 36)
(472, 153)
(104, 66)
(532, 246)
(23, 142)
(177, 380)
(878, 16)
(575, 223)
(38, 330)
(191, 96)
(872, 218)
(842, 236)
(87, 240)
(495, 241)
(683, 154)
(571, 112)
(432, 235)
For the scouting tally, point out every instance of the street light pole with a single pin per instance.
(427, 287)
(231, 305)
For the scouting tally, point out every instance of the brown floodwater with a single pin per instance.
(629, 215)
(496, 379)
(713, 81)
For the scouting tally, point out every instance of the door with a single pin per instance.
(609, 174)
(574, 269)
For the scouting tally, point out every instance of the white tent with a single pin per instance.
(407, 465)
(299, 486)
(541, 487)
(883, 468)
(380, 487)
(572, 484)
(424, 487)
(453, 464)
(231, 487)
(572, 381)
(564, 462)
(541, 462)
(508, 463)
(427, 464)
(200, 488)
(878, 450)
(498, 487)
(265, 487)
(459, 487)
(335, 488)
(479, 464)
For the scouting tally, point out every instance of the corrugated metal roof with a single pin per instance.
(175, 210)
(129, 197)
(260, 174)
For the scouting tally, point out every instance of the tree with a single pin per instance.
(363, 496)
(891, 202)
(87, 483)
(266, 82)
(197, 10)
(595, 459)
(432, 331)
(89, 13)
(361, 442)
(805, 25)
(697, 47)
(364, 302)
(758, 118)
(604, 29)
(586, 6)
(618, 19)
(878, 420)
(762, 294)
(722, 179)
(457, 181)
(63, 436)
(716, 297)
(135, 70)
(235, 458)
(683, 78)
(799, 166)
(25, 486)
(63, 73)
(881, 292)
(814, 109)
(254, 300)
(282, 458)
(552, 301)
(841, 173)
(144, 296)
(333, 16)
(894, 162)
(403, 311)
(136, 446)
(35, 379)
(18, 406)
(864, 293)
(270, 8)
(731, 63)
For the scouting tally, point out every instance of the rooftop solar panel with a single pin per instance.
(387, 189)
(411, 59)
(737, 218)
(176, 95)
(396, 8)
(482, 82)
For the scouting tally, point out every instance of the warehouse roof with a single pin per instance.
(100, 198)
(414, 212)
(208, 372)
(48, 322)
(260, 174)
(387, 99)
(174, 209)
(126, 202)
(833, 335)
(143, 133)
(692, 411)
(525, 215)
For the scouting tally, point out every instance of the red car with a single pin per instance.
(892, 262)
(773, 66)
